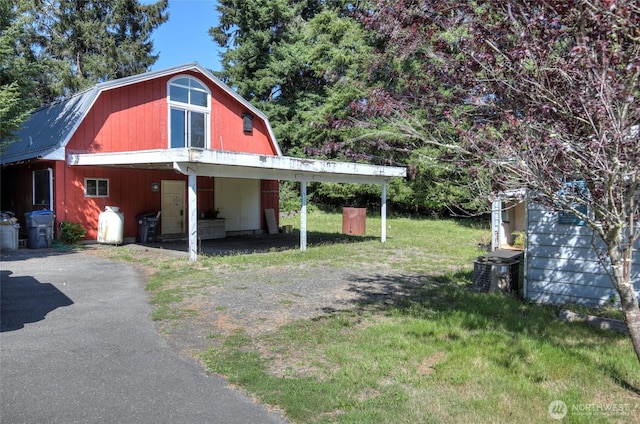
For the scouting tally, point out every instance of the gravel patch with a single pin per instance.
(258, 303)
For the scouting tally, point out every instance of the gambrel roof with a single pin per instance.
(48, 130)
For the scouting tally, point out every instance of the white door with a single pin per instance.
(173, 207)
(239, 203)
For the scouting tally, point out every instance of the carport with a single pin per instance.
(215, 163)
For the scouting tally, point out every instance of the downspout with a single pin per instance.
(525, 256)
(51, 188)
(496, 223)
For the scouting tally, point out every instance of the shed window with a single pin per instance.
(568, 218)
(96, 187)
(189, 109)
(576, 190)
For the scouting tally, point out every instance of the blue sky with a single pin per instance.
(184, 37)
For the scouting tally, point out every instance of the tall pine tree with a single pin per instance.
(17, 76)
(316, 69)
(89, 41)
(294, 60)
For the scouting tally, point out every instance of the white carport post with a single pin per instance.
(383, 213)
(303, 216)
(193, 215)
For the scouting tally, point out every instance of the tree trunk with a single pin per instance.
(631, 310)
(620, 263)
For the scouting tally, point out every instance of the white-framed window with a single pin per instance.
(42, 187)
(189, 108)
(96, 187)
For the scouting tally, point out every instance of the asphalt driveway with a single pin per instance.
(77, 346)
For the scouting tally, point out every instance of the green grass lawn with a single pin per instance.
(440, 353)
(412, 245)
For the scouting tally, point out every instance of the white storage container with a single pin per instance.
(111, 225)
(9, 235)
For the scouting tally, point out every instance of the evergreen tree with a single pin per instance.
(293, 59)
(326, 76)
(88, 41)
(16, 74)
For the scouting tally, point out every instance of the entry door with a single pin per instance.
(173, 207)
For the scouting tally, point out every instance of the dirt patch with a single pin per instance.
(258, 303)
(428, 364)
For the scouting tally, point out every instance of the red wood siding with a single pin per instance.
(227, 132)
(269, 199)
(125, 119)
(135, 117)
(205, 195)
(130, 190)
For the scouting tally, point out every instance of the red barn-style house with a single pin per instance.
(176, 141)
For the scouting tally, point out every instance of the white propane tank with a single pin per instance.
(111, 225)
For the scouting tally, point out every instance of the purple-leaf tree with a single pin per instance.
(543, 93)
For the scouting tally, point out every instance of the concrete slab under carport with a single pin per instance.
(247, 244)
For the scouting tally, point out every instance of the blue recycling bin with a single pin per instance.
(39, 228)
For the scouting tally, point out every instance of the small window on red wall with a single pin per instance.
(96, 187)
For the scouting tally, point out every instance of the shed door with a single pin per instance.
(173, 207)
(496, 224)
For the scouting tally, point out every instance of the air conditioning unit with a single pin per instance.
(497, 274)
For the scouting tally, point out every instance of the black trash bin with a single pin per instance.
(39, 228)
(147, 224)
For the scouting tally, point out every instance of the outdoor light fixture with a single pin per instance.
(155, 187)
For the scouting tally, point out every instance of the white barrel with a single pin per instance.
(111, 225)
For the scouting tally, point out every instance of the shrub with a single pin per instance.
(519, 239)
(71, 232)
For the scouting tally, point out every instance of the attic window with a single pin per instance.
(247, 122)
(189, 109)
